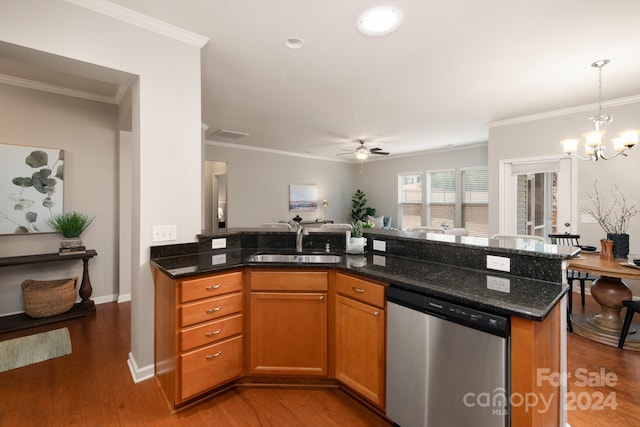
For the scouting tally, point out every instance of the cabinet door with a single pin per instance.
(288, 333)
(360, 348)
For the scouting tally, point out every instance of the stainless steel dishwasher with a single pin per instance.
(447, 365)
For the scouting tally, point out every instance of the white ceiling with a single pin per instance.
(453, 67)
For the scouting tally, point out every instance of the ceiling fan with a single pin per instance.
(363, 152)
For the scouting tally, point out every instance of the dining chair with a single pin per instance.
(337, 226)
(572, 240)
(524, 237)
(280, 225)
(632, 307)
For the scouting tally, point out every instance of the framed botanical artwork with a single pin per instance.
(303, 197)
(31, 188)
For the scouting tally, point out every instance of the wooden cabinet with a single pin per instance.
(198, 333)
(360, 337)
(288, 323)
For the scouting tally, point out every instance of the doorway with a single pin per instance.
(215, 196)
(537, 196)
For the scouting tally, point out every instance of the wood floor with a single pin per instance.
(93, 387)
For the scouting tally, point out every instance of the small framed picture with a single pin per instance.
(303, 197)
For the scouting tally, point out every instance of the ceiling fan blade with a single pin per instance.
(350, 153)
(384, 153)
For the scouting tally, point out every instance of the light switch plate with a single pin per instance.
(164, 233)
(218, 243)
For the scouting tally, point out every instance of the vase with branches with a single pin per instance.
(613, 213)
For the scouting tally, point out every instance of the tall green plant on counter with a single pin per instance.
(359, 208)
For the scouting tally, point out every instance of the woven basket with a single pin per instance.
(44, 298)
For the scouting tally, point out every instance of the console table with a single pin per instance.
(85, 307)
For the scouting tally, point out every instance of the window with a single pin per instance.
(441, 199)
(449, 198)
(475, 201)
(410, 195)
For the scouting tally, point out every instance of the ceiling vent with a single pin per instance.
(229, 134)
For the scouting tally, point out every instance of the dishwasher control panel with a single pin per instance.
(488, 322)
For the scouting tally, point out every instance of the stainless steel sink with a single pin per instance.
(296, 258)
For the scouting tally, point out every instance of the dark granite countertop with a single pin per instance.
(487, 290)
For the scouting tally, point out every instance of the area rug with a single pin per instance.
(24, 351)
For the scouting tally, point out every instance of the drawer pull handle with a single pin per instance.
(210, 334)
(211, 356)
(213, 310)
(358, 290)
(376, 313)
(213, 287)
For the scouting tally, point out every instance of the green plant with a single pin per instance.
(358, 229)
(359, 209)
(70, 224)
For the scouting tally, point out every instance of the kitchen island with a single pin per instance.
(452, 270)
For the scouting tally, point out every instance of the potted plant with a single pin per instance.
(71, 225)
(613, 216)
(356, 243)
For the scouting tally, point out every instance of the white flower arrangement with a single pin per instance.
(613, 216)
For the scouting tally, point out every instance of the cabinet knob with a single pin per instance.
(321, 297)
(210, 334)
(213, 310)
(211, 356)
(376, 313)
(213, 287)
(358, 290)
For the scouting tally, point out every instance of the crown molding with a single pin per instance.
(272, 151)
(140, 20)
(566, 111)
(59, 90)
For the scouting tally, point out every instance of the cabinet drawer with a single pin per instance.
(210, 286)
(362, 290)
(289, 280)
(209, 309)
(210, 366)
(210, 332)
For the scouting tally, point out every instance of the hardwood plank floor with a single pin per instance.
(93, 387)
(588, 364)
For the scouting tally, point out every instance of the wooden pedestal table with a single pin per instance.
(608, 291)
(85, 307)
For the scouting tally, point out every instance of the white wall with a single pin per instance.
(85, 130)
(379, 179)
(166, 126)
(542, 138)
(258, 185)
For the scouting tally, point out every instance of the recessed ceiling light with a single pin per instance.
(294, 42)
(379, 20)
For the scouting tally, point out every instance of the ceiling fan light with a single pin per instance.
(361, 153)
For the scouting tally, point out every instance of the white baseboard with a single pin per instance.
(124, 298)
(139, 374)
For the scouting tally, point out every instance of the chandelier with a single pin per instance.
(593, 139)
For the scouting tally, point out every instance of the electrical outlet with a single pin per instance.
(218, 243)
(498, 263)
(164, 233)
(379, 260)
(498, 284)
(219, 259)
(379, 245)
